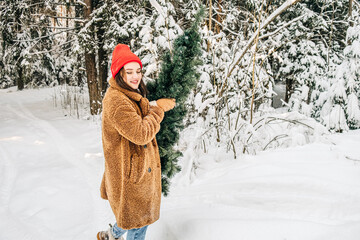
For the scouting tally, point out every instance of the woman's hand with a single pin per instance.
(166, 103)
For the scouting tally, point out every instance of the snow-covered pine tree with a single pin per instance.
(7, 41)
(39, 61)
(16, 57)
(332, 113)
(350, 72)
(156, 34)
(310, 47)
(336, 105)
(302, 56)
(17, 37)
(341, 110)
(217, 95)
(66, 44)
(306, 66)
(26, 48)
(177, 78)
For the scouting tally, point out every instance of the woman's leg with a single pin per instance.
(137, 233)
(117, 232)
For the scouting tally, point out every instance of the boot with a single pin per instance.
(107, 235)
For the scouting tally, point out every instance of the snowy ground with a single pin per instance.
(51, 167)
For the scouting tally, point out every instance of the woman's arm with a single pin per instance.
(133, 127)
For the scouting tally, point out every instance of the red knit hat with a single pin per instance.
(121, 56)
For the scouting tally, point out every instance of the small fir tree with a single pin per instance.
(349, 74)
(176, 79)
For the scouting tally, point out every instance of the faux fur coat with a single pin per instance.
(132, 178)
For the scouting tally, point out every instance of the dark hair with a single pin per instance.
(120, 81)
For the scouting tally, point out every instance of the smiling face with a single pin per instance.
(132, 74)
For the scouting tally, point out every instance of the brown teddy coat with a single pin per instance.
(132, 178)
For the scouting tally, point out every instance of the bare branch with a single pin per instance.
(50, 27)
(75, 18)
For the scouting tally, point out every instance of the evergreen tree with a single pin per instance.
(40, 62)
(26, 45)
(350, 72)
(306, 66)
(332, 113)
(177, 77)
(307, 48)
(15, 16)
(341, 110)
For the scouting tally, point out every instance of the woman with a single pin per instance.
(132, 177)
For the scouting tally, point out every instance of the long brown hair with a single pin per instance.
(120, 81)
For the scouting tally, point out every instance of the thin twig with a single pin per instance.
(352, 159)
(274, 139)
(288, 120)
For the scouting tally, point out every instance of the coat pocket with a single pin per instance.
(137, 167)
(132, 168)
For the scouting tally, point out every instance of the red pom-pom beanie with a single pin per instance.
(121, 56)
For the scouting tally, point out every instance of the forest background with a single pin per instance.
(272, 73)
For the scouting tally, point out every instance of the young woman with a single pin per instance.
(132, 177)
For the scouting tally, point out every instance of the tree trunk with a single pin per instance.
(79, 76)
(92, 81)
(289, 86)
(210, 24)
(103, 61)
(67, 79)
(350, 13)
(91, 71)
(218, 23)
(20, 80)
(103, 70)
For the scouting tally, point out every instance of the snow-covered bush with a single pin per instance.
(71, 99)
(269, 131)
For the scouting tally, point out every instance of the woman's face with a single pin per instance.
(132, 74)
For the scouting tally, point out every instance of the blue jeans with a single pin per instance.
(133, 234)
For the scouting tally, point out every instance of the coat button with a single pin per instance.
(145, 146)
(149, 170)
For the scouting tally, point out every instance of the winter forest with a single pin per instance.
(249, 76)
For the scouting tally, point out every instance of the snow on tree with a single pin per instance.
(305, 65)
(351, 73)
(17, 38)
(332, 112)
(345, 90)
(156, 35)
(26, 49)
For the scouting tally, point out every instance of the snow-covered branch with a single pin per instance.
(56, 48)
(156, 5)
(81, 3)
(46, 36)
(267, 21)
(282, 27)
